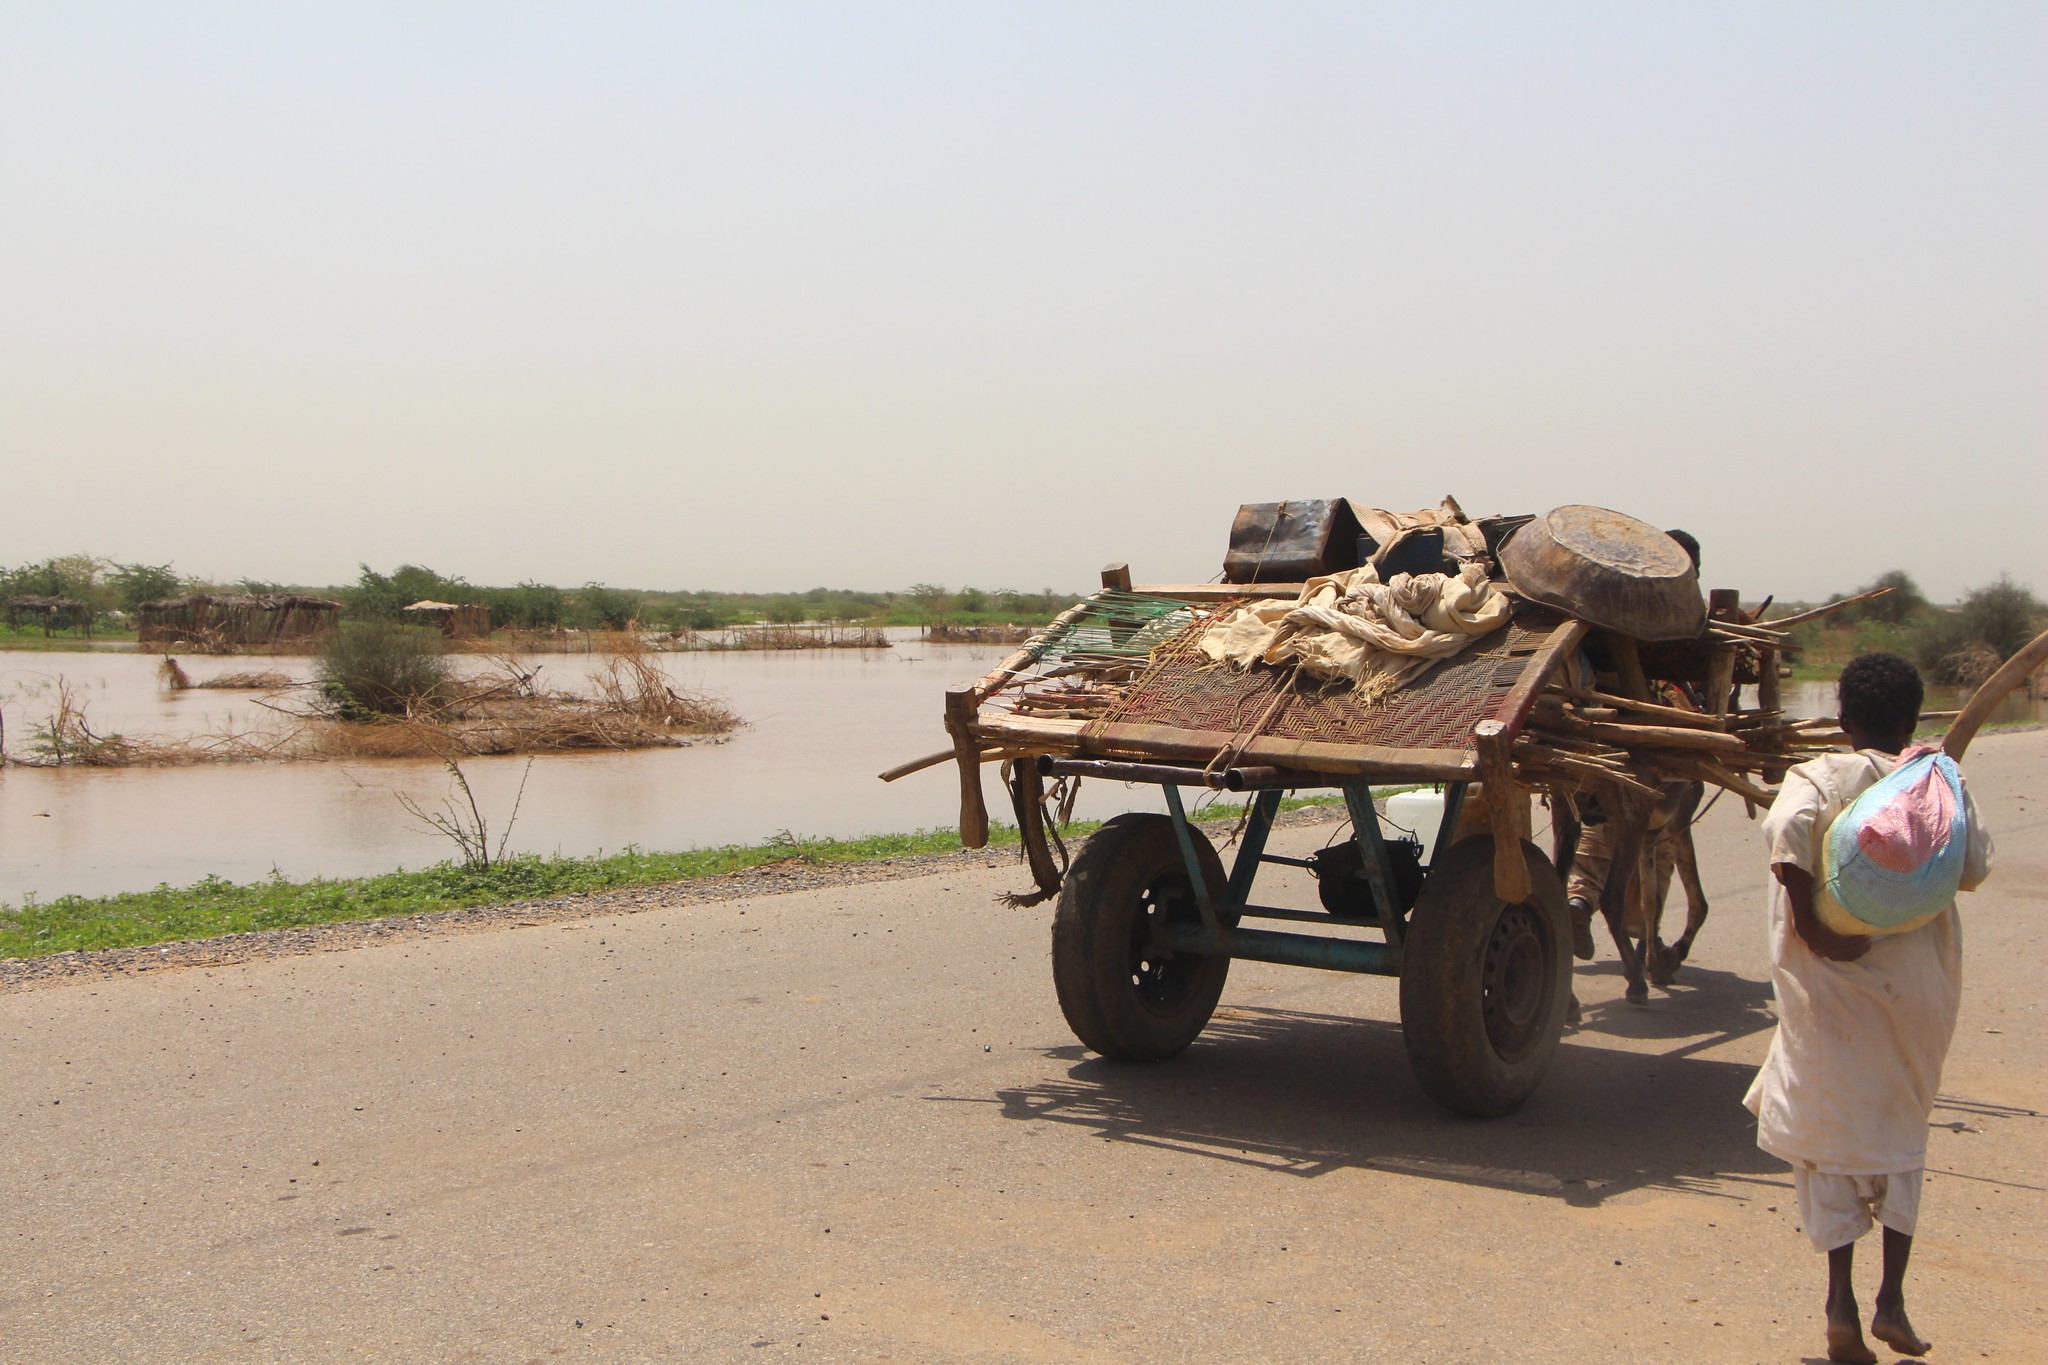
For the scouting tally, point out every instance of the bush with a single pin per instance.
(376, 668)
(2003, 615)
(1989, 627)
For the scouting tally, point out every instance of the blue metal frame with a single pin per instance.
(1213, 936)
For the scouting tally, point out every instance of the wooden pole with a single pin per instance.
(1995, 690)
(1628, 665)
(918, 765)
(961, 703)
(1783, 621)
(1508, 805)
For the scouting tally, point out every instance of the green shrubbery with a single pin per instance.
(380, 668)
(1958, 645)
(1988, 627)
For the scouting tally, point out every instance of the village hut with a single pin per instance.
(51, 613)
(232, 620)
(457, 621)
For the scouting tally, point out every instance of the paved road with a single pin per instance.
(849, 1124)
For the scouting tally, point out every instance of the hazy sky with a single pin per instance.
(772, 295)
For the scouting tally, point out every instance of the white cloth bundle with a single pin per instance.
(1351, 627)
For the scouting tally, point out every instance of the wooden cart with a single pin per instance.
(1149, 918)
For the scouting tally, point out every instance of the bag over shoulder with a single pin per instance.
(1893, 859)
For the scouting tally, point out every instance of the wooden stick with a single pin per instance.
(1508, 805)
(1677, 715)
(1560, 768)
(993, 681)
(918, 765)
(1994, 690)
(1784, 622)
(1219, 592)
(960, 707)
(1202, 746)
(1719, 776)
(1768, 680)
(1628, 663)
(1558, 646)
(1745, 634)
(1655, 736)
(1720, 680)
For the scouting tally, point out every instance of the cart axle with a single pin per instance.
(1289, 950)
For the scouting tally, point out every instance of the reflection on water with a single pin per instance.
(1818, 699)
(821, 724)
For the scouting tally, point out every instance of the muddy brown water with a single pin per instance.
(820, 725)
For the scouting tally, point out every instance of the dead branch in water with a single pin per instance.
(468, 829)
(173, 677)
(632, 704)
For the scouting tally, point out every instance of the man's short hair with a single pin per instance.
(1690, 543)
(1880, 694)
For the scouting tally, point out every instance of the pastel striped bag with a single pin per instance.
(1893, 859)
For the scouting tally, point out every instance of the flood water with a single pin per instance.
(820, 725)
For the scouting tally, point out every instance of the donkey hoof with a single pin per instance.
(1638, 994)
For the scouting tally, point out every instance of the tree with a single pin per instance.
(380, 597)
(610, 608)
(1904, 601)
(134, 584)
(702, 618)
(931, 599)
(529, 606)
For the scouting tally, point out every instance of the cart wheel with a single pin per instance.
(1122, 997)
(1484, 984)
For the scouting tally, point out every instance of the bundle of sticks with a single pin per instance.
(1578, 736)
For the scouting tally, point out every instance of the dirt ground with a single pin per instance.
(848, 1123)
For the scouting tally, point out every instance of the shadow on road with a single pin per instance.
(1708, 1007)
(1304, 1094)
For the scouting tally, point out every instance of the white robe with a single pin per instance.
(1854, 1066)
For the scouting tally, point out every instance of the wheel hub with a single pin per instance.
(1515, 981)
(1160, 978)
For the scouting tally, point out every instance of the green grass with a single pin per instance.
(31, 638)
(214, 907)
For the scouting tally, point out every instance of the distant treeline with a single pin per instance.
(107, 586)
(1963, 643)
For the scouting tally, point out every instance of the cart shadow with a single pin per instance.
(1305, 1094)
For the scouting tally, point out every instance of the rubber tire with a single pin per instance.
(1098, 931)
(1443, 969)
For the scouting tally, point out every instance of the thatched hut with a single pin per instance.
(230, 620)
(51, 613)
(463, 621)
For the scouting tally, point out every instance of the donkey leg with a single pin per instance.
(1695, 896)
(1655, 887)
(1630, 828)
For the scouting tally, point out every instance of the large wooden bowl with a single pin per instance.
(1609, 569)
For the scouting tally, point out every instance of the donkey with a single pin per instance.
(1632, 894)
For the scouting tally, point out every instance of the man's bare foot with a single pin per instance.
(1845, 1343)
(1889, 1325)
